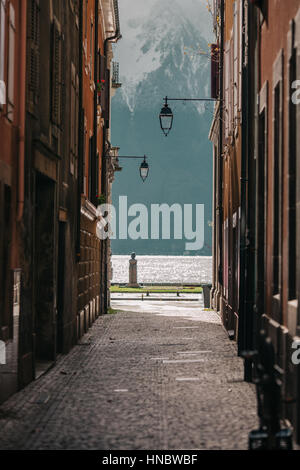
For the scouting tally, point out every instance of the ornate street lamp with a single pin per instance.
(144, 170)
(166, 118)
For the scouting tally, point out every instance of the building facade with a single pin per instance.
(54, 125)
(226, 137)
(12, 131)
(278, 152)
(100, 28)
(256, 213)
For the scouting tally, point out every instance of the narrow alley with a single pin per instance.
(151, 375)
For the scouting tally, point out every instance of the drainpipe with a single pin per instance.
(243, 240)
(95, 127)
(245, 312)
(80, 133)
(252, 120)
(116, 37)
(220, 166)
(22, 95)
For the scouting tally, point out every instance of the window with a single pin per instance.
(74, 120)
(277, 189)
(90, 180)
(11, 64)
(240, 26)
(91, 51)
(292, 169)
(235, 61)
(56, 82)
(2, 39)
(84, 158)
(261, 210)
(85, 19)
(34, 58)
(277, 171)
(97, 189)
(227, 84)
(74, 6)
(215, 63)
(5, 239)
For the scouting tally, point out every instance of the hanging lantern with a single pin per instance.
(166, 118)
(144, 170)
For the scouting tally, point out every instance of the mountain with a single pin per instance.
(158, 57)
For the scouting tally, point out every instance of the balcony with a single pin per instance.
(115, 75)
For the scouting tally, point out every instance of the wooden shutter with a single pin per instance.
(214, 71)
(56, 99)
(74, 120)
(226, 91)
(5, 241)
(76, 116)
(73, 130)
(11, 64)
(107, 103)
(34, 56)
(90, 173)
(2, 38)
(102, 79)
(235, 61)
(240, 56)
(97, 177)
(231, 87)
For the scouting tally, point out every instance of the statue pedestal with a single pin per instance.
(133, 273)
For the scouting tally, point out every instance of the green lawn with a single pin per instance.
(156, 290)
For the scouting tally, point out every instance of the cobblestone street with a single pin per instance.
(156, 375)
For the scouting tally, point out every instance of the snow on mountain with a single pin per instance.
(159, 48)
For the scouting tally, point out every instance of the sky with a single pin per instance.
(134, 17)
(195, 10)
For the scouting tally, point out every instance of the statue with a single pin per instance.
(133, 271)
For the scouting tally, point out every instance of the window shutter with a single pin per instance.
(11, 64)
(34, 58)
(2, 38)
(107, 104)
(102, 79)
(77, 116)
(240, 56)
(226, 91)
(56, 100)
(72, 119)
(97, 176)
(231, 88)
(92, 42)
(235, 62)
(214, 71)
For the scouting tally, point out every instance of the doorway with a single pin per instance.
(44, 282)
(61, 285)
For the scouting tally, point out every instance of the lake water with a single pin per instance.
(165, 269)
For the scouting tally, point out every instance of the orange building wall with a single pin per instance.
(88, 85)
(273, 39)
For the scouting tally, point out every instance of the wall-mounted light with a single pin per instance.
(166, 116)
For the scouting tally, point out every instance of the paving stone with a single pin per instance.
(138, 391)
